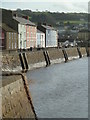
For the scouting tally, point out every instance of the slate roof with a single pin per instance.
(38, 31)
(24, 21)
(6, 28)
(48, 27)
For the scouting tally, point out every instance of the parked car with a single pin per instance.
(65, 44)
(71, 44)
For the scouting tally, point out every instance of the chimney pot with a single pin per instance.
(15, 15)
(25, 17)
(44, 24)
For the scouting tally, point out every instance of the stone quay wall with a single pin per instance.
(16, 99)
(36, 58)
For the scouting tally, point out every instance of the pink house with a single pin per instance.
(27, 32)
(31, 36)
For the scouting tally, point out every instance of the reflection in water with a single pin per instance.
(61, 90)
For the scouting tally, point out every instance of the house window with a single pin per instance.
(12, 40)
(48, 32)
(9, 40)
(9, 35)
(27, 27)
(27, 39)
(15, 39)
(12, 36)
(0, 35)
(42, 37)
(15, 45)
(24, 33)
(12, 45)
(27, 34)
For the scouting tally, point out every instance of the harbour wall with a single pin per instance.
(16, 99)
(36, 59)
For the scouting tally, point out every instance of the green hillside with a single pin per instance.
(54, 19)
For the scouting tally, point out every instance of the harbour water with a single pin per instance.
(60, 90)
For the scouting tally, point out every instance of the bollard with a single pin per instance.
(25, 60)
(87, 51)
(79, 52)
(48, 58)
(22, 62)
(65, 55)
(44, 53)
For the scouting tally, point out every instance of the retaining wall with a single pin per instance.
(83, 51)
(10, 61)
(36, 58)
(89, 50)
(55, 54)
(15, 101)
(72, 52)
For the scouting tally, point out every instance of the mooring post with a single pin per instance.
(44, 53)
(65, 55)
(22, 62)
(87, 51)
(25, 60)
(79, 52)
(48, 58)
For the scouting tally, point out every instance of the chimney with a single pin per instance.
(15, 15)
(25, 17)
(44, 24)
(50, 25)
(39, 24)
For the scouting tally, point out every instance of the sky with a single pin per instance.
(50, 5)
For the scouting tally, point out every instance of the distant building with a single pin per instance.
(8, 38)
(50, 35)
(40, 39)
(84, 35)
(27, 33)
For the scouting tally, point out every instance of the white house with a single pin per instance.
(51, 37)
(21, 32)
(40, 42)
(24, 34)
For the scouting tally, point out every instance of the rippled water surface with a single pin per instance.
(61, 90)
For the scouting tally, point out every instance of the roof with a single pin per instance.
(24, 21)
(48, 27)
(38, 31)
(6, 28)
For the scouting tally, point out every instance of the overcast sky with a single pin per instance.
(50, 5)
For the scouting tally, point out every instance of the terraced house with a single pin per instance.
(26, 29)
(40, 39)
(27, 33)
(50, 35)
(8, 38)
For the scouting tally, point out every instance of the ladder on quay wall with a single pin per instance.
(47, 58)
